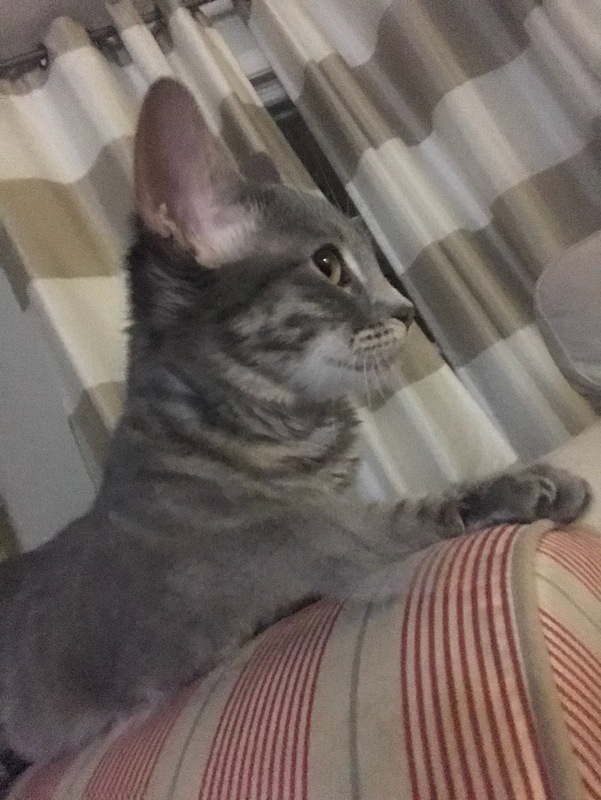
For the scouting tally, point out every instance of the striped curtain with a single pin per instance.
(465, 139)
(468, 136)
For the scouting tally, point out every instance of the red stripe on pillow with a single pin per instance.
(522, 746)
(468, 726)
(587, 759)
(260, 747)
(42, 782)
(577, 675)
(475, 691)
(592, 793)
(258, 674)
(570, 679)
(258, 671)
(256, 717)
(575, 648)
(127, 765)
(578, 555)
(433, 645)
(258, 690)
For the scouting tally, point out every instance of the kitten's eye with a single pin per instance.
(329, 262)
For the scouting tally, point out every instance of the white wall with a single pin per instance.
(43, 478)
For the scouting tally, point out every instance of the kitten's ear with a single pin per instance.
(186, 184)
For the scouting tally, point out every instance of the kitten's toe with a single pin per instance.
(444, 517)
(449, 521)
(562, 496)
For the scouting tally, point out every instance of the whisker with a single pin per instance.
(395, 375)
(356, 367)
(377, 372)
(383, 386)
(366, 381)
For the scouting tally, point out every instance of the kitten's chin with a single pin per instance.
(338, 382)
(324, 372)
(330, 370)
(343, 380)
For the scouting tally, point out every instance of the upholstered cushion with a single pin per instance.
(482, 681)
(568, 307)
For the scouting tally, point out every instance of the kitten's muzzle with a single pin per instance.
(397, 307)
(381, 341)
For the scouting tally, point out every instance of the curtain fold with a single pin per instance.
(468, 183)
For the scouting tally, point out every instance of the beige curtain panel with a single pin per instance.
(464, 133)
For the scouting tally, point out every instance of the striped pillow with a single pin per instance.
(484, 681)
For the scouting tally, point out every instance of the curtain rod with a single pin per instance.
(18, 65)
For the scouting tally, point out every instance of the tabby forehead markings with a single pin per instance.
(274, 315)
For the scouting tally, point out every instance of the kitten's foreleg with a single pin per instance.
(419, 523)
(363, 547)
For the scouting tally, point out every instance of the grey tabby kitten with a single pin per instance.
(228, 494)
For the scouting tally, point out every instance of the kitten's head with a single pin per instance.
(257, 274)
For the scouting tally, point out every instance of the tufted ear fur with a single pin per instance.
(186, 184)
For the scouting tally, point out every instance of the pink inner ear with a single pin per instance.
(183, 178)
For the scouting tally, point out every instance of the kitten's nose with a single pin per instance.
(404, 312)
(391, 303)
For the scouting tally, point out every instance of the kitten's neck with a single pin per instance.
(239, 427)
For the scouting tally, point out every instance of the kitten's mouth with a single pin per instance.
(380, 343)
(376, 348)
(381, 334)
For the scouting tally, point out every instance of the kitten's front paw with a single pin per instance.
(557, 494)
(537, 492)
